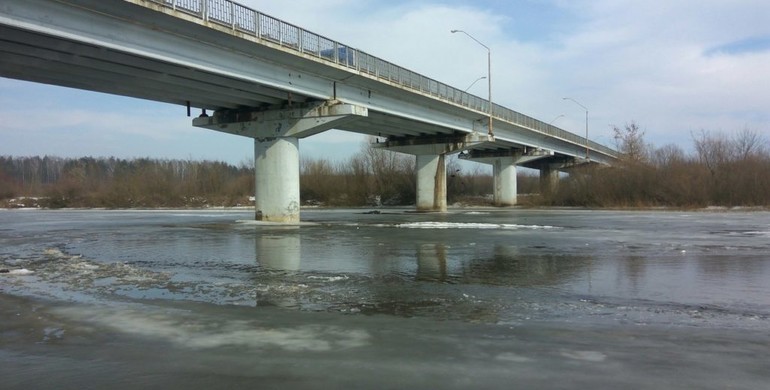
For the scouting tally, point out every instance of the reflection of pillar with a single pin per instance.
(549, 179)
(431, 182)
(276, 165)
(504, 171)
(431, 262)
(280, 252)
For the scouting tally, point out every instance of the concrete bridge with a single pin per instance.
(256, 76)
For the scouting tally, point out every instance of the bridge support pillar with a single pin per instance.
(276, 167)
(503, 163)
(549, 179)
(430, 152)
(504, 173)
(276, 133)
(431, 182)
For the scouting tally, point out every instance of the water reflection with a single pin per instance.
(507, 265)
(431, 262)
(280, 250)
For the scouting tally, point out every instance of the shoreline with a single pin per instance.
(450, 207)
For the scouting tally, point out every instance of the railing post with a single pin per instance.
(204, 10)
(232, 14)
(300, 35)
(257, 25)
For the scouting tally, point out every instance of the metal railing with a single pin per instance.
(246, 20)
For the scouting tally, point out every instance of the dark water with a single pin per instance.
(468, 299)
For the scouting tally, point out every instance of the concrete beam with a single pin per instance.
(298, 122)
(433, 144)
(521, 156)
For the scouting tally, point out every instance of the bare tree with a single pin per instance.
(748, 143)
(630, 142)
(714, 151)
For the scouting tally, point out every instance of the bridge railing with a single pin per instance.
(249, 21)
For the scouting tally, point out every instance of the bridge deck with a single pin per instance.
(219, 54)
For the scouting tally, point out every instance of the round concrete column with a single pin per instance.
(431, 182)
(549, 180)
(504, 171)
(276, 165)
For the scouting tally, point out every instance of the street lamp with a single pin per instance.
(489, 75)
(474, 83)
(554, 119)
(584, 107)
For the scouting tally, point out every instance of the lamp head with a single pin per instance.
(454, 31)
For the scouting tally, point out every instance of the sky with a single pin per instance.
(674, 67)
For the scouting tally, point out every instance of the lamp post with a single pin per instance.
(584, 107)
(489, 75)
(554, 119)
(474, 83)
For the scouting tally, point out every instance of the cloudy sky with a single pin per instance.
(673, 66)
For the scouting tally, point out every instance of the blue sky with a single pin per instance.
(675, 67)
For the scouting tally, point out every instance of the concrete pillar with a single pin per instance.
(276, 132)
(505, 191)
(276, 164)
(549, 179)
(431, 182)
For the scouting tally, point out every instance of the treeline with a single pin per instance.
(721, 170)
(375, 176)
(371, 177)
(57, 182)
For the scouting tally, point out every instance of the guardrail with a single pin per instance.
(244, 19)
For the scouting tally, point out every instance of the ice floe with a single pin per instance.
(466, 225)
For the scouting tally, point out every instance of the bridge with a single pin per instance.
(256, 76)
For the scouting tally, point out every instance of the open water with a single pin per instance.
(472, 298)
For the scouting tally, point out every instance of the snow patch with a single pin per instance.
(460, 225)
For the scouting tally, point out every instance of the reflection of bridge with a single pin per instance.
(276, 83)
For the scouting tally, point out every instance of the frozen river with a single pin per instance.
(473, 298)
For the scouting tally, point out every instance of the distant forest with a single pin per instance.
(372, 177)
(721, 171)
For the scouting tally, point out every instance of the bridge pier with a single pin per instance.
(431, 182)
(504, 174)
(276, 168)
(504, 162)
(549, 179)
(276, 133)
(430, 152)
(505, 190)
